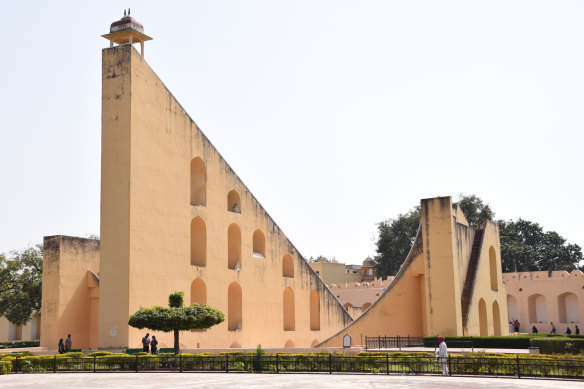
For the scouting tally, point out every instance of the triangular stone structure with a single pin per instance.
(175, 216)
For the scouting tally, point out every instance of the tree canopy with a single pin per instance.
(526, 247)
(176, 317)
(396, 237)
(20, 284)
(524, 244)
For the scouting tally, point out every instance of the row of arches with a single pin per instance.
(199, 247)
(234, 301)
(199, 187)
(483, 320)
(289, 310)
(567, 303)
(235, 312)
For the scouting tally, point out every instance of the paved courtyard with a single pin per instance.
(234, 380)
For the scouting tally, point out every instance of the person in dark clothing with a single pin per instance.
(61, 346)
(68, 344)
(577, 332)
(146, 343)
(568, 331)
(534, 330)
(154, 345)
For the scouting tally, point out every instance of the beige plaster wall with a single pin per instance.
(148, 144)
(30, 331)
(66, 296)
(520, 286)
(482, 289)
(331, 272)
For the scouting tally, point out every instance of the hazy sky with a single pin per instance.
(336, 114)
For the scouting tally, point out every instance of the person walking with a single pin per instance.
(511, 328)
(61, 346)
(146, 343)
(154, 345)
(443, 355)
(68, 343)
(577, 331)
(568, 331)
(553, 331)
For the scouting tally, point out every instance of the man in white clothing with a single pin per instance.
(443, 355)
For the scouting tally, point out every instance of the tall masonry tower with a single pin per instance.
(175, 216)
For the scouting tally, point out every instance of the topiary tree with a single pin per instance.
(176, 317)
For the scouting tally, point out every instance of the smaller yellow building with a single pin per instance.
(541, 298)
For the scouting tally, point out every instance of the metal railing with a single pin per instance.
(374, 363)
(399, 342)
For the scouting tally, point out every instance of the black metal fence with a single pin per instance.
(377, 363)
(399, 342)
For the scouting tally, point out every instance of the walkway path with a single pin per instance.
(235, 380)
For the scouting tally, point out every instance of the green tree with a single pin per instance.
(475, 210)
(20, 284)
(176, 317)
(526, 247)
(395, 239)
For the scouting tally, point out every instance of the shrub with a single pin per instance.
(5, 367)
(559, 345)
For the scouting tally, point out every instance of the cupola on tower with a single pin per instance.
(127, 30)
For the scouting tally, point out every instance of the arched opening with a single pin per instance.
(287, 266)
(198, 182)
(314, 311)
(493, 267)
(234, 307)
(198, 292)
(289, 320)
(512, 309)
(536, 307)
(289, 344)
(568, 308)
(483, 324)
(314, 343)
(365, 306)
(18, 333)
(198, 242)
(233, 202)
(496, 319)
(259, 244)
(235, 345)
(234, 247)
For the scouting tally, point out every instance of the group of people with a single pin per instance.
(65, 347)
(150, 345)
(514, 326)
(554, 331)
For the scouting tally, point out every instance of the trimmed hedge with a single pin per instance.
(20, 344)
(558, 345)
(503, 342)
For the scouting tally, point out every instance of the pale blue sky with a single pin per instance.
(336, 114)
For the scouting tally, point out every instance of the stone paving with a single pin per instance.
(240, 380)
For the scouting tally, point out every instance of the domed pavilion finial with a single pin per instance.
(127, 30)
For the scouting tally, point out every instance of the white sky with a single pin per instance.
(336, 114)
